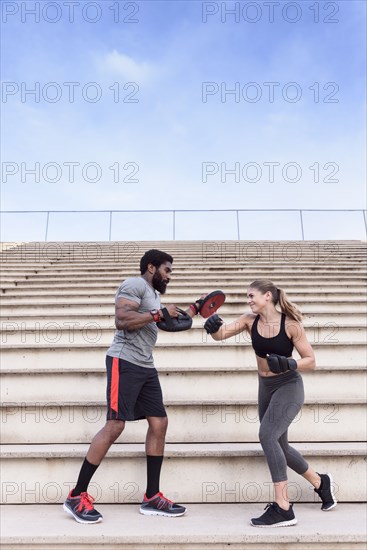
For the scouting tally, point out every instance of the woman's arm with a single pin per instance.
(231, 329)
(297, 333)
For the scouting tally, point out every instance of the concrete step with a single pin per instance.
(194, 272)
(50, 422)
(92, 331)
(244, 248)
(176, 289)
(192, 472)
(212, 384)
(103, 288)
(232, 305)
(207, 279)
(94, 307)
(175, 293)
(186, 259)
(196, 279)
(266, 270)
(166, 355)
(64, 318)
(222, 408)
(245, 251)
(230, 281)
(200, 528)
(187, 255)
(181, 278)
(216, 267)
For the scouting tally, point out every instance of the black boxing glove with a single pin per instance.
(213, 324)
(279, 363)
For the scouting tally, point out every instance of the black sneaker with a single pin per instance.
(82, 509)
(159, 505)
(325, 492)
(275, 516)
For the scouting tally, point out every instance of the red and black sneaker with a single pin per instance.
(81, 508)
(159, 505)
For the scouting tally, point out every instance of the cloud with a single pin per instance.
(124, 66)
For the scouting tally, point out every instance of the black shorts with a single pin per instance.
(133, 392)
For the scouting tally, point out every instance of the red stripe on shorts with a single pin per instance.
(114, 396)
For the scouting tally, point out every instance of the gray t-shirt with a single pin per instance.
(137, 345)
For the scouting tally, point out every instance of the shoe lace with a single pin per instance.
(163, 502)
(165, 499)
(86, 501)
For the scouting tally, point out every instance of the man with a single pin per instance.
(133, 388)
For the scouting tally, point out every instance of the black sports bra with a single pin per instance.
(279, 344)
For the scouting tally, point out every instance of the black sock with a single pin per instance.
(85, 475)
(154, 464)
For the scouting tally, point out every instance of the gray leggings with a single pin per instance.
(280, 399)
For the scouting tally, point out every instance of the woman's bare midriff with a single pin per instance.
(263, 368)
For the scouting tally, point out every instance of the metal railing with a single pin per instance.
(174, 212)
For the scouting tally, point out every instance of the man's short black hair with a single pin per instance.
(154, 257)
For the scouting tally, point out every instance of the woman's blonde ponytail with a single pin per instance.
(279, 297)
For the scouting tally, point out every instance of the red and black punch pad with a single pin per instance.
(211, 303)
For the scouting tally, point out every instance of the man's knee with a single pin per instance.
(165, 423)
(158, 424)
(114, 428)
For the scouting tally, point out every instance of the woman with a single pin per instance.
(281, 395)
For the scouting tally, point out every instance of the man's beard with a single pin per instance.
(158, 283)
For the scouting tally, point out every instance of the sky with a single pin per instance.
(183, 105)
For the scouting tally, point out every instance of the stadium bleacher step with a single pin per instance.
(204, 527)
(209, 421)
(206, 354)
(45, 473)
(68, 332)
